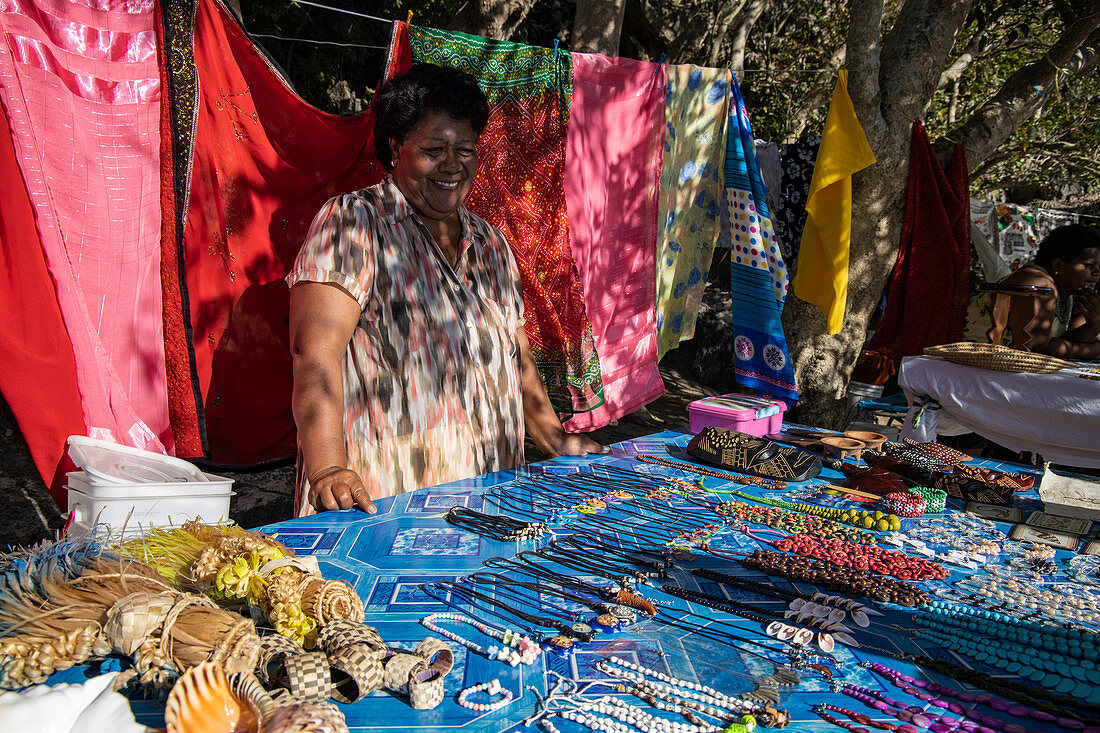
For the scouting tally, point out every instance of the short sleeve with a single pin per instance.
(339, 248)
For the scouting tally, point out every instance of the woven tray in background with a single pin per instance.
(1000, 358)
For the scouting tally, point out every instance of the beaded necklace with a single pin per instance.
(517, 648)
(1053, 671)
(1047, 700)
(498, 527)
(1015, 596)
(913, 715)
(617, 710)
(875, 558)
(637, 673)
(1074, 642)
(852, 582)
(752, 613)
(877, 521)
(927, 692)
(794, 522)
(823, 710)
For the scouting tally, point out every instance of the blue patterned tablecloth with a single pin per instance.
(387, 555)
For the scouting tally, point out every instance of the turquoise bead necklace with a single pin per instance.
(1074, 642)
(1055, 672)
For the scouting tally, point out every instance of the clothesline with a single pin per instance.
(341, 10)
(310, 40)
(390, 20)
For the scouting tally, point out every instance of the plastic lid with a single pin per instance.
(762, 406)
(119, 464)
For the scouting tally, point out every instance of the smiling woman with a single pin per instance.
(411, 365)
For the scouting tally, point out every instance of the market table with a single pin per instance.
(1056, 415)
(386, 557)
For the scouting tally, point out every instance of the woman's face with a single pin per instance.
(1079, 273)
(434, 166)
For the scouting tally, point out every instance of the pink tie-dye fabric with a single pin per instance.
(613, 165)
(81, 87)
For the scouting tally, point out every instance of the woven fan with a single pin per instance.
(1000, 358)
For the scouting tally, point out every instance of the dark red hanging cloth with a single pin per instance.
(38, 377)
(264, 162)
(929, 287)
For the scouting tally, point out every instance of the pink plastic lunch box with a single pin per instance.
(744, 413)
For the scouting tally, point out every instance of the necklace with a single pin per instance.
(626, 670)
(824, 709)
(927, 692)
(851, 582)
(878, 559)
(1036, 665)
(498, 527)
(752, 613)
(517, 648)
(793, 522)
(867, 520)
(1074, 642)
(914, 715)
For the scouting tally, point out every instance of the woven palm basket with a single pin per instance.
(1000, 358)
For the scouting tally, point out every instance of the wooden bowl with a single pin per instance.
(843, 447)
(873, 441)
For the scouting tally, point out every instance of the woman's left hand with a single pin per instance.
(574, 444)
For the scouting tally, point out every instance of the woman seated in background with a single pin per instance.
(1066, 324)
(411, 365)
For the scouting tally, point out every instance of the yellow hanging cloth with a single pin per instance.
(822, 275)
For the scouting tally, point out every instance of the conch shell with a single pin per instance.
(202, 701)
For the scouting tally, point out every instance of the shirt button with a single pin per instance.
(457, 287)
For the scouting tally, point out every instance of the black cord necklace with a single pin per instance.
(718, 603)
(578, 631)
(498, 527)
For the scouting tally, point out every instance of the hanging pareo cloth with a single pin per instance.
(757, 272)
(613, 162)
(520, 189)
(80, 86)
(822, 274)
(689, 217)
(264, 162)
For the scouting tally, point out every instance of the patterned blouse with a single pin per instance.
(431, 375)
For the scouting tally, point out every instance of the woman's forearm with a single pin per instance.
(319, 414)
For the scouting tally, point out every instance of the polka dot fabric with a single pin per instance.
(758, 275)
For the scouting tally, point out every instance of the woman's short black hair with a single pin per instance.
(402, 101)
(1065, 243)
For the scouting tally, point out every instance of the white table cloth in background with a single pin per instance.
(1055, 415)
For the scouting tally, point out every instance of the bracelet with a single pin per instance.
(492, 688)
(317, 476)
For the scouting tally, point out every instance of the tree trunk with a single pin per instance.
(597, 26)
(495, 19)
(749, 16)
(890, 84)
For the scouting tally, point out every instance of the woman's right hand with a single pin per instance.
(339, 489)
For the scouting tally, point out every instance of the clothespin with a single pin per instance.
(659, 62)
(409, 20)
(556, 42)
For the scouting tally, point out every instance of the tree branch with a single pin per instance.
(1025, 91)
(914, 54)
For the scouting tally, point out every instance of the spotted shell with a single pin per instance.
(202, 701)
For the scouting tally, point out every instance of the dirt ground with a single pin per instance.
(262, 497)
